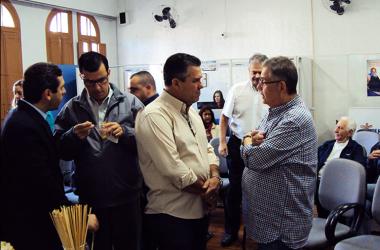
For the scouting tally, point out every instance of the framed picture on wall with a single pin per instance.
(373, 79)
(204, 79)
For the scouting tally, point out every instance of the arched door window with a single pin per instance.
(89, 35)
(11, 57)
(59, 37)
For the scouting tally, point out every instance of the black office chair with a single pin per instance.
(368, 242)
(341, 191)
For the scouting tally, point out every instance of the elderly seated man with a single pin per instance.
(342, 147)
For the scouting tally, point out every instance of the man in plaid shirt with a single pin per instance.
(280, 163)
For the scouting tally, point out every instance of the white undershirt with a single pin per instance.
(335, 153)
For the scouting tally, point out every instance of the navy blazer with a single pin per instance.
(373, 167)
(31, 180)
(353, 151)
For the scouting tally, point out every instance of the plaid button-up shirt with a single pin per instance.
(280, 175)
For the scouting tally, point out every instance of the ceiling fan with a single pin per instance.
(336, 6)
(167, 14)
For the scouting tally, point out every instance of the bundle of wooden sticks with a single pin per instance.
(71, 224)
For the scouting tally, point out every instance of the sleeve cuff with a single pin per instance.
(187, 179)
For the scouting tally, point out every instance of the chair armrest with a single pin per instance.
(337, 213)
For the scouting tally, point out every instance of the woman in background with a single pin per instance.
(208, 118)
(18, 92)
(218, 99)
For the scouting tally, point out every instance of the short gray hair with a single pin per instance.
(258, 57)
(351, 124)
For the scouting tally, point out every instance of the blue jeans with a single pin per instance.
(370, 191)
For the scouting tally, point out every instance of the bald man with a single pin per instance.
(143, 86)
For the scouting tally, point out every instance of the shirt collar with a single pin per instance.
(249, 84)
(176, 103)
(150, 99)
(44, 115)
(105, 101)
(296, 100)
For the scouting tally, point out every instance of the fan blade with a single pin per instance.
(158, 18)
(172, 23)
(165, 11)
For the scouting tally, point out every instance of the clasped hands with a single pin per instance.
(254, 138)
(208, 190)
(82, 130)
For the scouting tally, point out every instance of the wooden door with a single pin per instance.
(11, 60)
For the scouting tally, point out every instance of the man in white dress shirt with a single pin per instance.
(242, 112)
(178, 165)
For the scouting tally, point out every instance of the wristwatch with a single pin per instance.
(220, 179)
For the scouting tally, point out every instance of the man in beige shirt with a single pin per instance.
(178, 165)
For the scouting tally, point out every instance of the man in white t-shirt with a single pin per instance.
(342, 147)
(242, 112)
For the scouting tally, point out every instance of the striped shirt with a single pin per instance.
(280, 176)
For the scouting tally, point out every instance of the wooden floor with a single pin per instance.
(217, 228)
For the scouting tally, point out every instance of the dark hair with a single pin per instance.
(37, 78)
(19, 82)
(205, 108)
(91, 61)
(176, 67)
(146, 78)
(221, 96)
(282, 68)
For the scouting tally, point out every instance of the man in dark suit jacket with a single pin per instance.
(31, 182)
(342, 147)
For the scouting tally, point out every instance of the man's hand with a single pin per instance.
(247, 140)
(257, 137)
(375, 154)
(211, 187)
(113, 128)
(223, 150)
(196, 187)
(82, 130)
(93, 223)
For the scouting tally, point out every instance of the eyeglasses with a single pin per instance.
(92, 83)
(262, 81)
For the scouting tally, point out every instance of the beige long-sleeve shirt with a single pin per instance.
(173, 153)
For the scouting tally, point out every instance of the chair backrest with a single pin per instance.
(376, 202)
(342, 181)
(367, 139)
(222, 160)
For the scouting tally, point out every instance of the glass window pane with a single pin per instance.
(64, 22)
(6, 18)
(83, 26)
(53, 24)
(87, 28)
(60, 23)
(85, 47)
(95, 47)
(92, 32)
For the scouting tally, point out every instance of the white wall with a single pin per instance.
(33, 38)
(33, 43)
(338, 45)
(201, 23)
(343, 44)
(108, 7)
